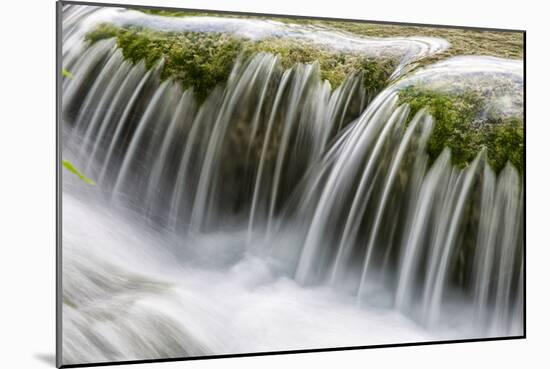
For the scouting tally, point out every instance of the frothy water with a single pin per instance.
(278, 214)
(133, 299)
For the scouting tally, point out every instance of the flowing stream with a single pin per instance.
(278, 214)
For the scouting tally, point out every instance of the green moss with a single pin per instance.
(462, 41)
(198, 60)
(376, 73)
(504, 142)
(454, 116)
(173, 13)
(202, 60)
(334, 66)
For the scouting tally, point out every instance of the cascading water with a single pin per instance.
(277, 183)
(263, 117)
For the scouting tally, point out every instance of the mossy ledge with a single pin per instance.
(504, 44)
(201, 60)
(455, 116)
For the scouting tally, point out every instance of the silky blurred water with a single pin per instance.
(278, 214)
(131, 293)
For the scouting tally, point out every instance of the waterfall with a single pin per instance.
(262, 118)
(331, 185)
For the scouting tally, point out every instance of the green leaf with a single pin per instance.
(70, 167)
(66, 73)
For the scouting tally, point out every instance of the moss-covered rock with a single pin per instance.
(202, 60)
(173, 13)
(506, 44)
(456, 127)
(197, 60)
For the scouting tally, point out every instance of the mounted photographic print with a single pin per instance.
(236, 184)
